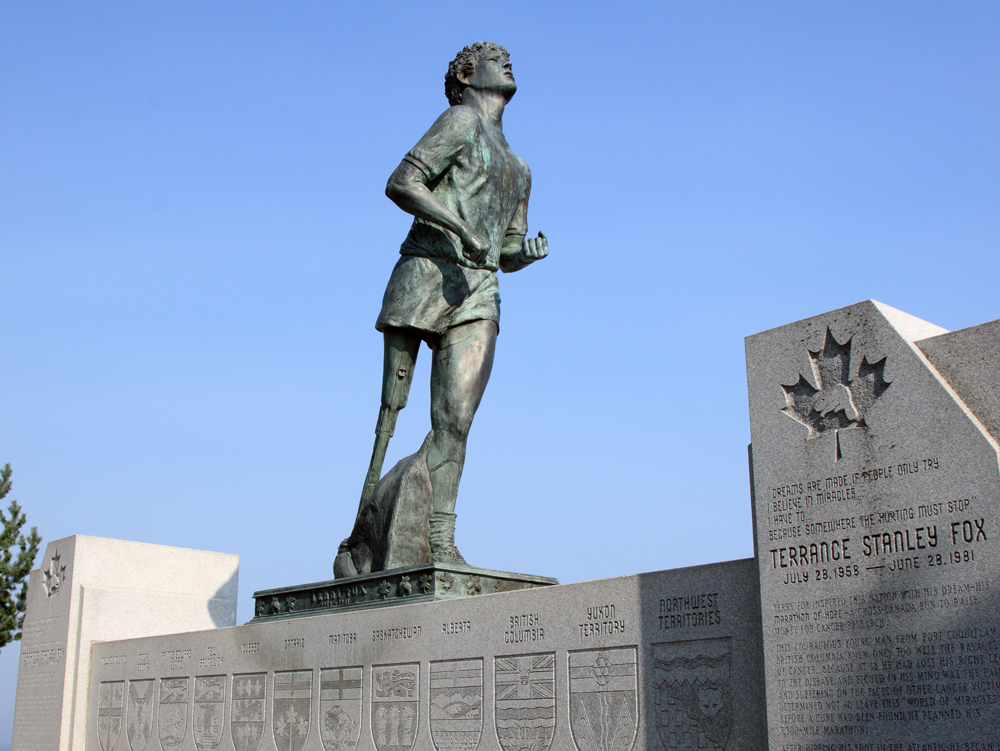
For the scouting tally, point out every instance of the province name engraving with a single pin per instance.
(602, 620)
(523, 627)
(690, 611)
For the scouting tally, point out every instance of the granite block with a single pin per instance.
(92, 588)
(665, 660)
(876, 498)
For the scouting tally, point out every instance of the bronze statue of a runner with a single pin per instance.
(468, 193)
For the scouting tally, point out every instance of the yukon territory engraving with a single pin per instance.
(603, 699)
(602, 621)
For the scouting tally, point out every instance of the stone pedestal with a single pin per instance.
(95, 589)
(423, 583)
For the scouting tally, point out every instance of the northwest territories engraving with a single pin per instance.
(456, 704)
(247, 715)
(525, 701)
(292, 708)
(603, 699)
(395, 705)
(693, 693)
(140, 713)
(340, 707)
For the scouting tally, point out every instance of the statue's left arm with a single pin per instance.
(519, 250)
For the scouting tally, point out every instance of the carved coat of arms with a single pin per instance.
(141, 697)
(395, 705)
(457, 704)
(209, 711)
(340, 708)
(247, 720)
(694, 707)
(292, 708)
(110, 707)
(171, 720)
(525, 701)
(603, 699)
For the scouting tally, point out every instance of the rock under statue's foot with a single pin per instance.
(442, 538)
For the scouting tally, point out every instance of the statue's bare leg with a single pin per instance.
(463, 359)
(397, 374)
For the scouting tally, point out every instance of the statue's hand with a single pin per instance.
(535, 248)
(474, 247)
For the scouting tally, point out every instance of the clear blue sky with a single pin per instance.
(194, 242)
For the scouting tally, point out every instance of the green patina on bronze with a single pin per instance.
(468, 193)
(397, 587)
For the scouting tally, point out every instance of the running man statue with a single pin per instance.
(468, 193)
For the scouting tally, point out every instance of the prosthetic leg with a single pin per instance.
(397, 375)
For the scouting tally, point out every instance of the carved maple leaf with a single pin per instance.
(838, 403)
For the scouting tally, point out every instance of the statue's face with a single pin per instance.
(493, 73)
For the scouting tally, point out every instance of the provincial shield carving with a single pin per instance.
(171, 722)
(110, 707)
(247, 715)
(525, 701)
(209, 711)
(395, 705)
(292, 708)
(603, 699)
(693, 693)
(340, 708)
(457, 704)
(141, 696)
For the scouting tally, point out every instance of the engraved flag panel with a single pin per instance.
(171, 721)
(395, 705)
(209, 711)
(340, 708)
(694, 707)
(141, 698)
(247, 715)
(457, 704)
(110, 707)
(292, 708)
(603, 699)
(525, 701)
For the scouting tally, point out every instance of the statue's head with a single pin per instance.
(482, 65)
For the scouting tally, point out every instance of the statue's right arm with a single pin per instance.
(407, 188)
(437, 152)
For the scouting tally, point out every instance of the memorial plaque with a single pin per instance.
(656, 661)
(876, 495)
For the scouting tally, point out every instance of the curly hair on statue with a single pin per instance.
(465, 61)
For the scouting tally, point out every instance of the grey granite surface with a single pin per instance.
(876, 506)
(665, 660)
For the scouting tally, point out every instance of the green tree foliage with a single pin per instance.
(17, 555)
